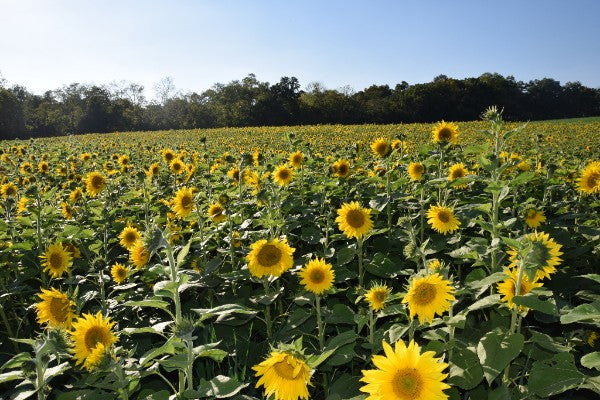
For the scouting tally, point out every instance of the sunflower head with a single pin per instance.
(43, 167)
(56, 260)
(75, 195)
(183, 203)
(354, 220)
(427, 296)
(168, 155)
(272, 257)
(119, 273)
(341, 168)
(153, 170)
(542, 258)
(9, 190)
(507, 287)
(129, 237)
(317, 276)
(296, 159)
(283, 175)
(55, 309)
(534, 218)
(442, 219)
(457, 171)
(216, 212)
(405, 373)
(177, 166)
(380, 147)
(589, 180)
(95, 183)
(139, 255)
(377, 296)
(445, 132)
(284, 376)
(89, 333)
(416, 171)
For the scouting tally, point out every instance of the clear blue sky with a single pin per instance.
(46, 44)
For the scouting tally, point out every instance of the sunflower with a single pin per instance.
(43, 167)
(507, 287)
(119, 273)
(445, 132)
(283, 175)
(153, 170)
(353, 220)
(123, 160)
(139, 255)
(416, 171)
(72, 249)
(177, 166)
(235, 239)
(377, 296)
(22, 205)
(442, 219)
(341, 168)
(429, 295)
(216, 212)
(317, 276)
(545, 254)
(380, 147)
(457, 171)
(183, 202)
(435, 265)
(296, 159)
(284, 376)
(85, 157)
(534, 218)
(129, 237)
(56, 309)
(404, 373)
(234, 174)
(168, 155)
(589, 181)
(66, 209)
(57, 260)
(95, 183)
(8, 190)
(88, 333)
(272, 257)
(75, 195)
(26, 168)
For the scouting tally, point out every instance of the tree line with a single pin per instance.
(80, 108)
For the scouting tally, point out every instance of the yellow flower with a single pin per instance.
(22, 205)
(183, 203)
(341, 168)
(377, 296)
(72, 249)
(56, 309)
(283, 175)
(404, 373)
(534, 218)
(380, 147)
(177, 166)
(445, 132)
(43, 167)
(88, 333)
(234, 174)
(129, 237)
(508, 286)
(427, 296)
(85, 156)
(545, 254)
(353, 220)
(442, 219)
(168, 155)
(153, 170)
(272, 257)
(119, 273)
(26, 168)
(75, 195)
(8, 190)
(296, 159)
(589, 181)
(457, 171)
(57, 260)
(139, 255)
(284, 376)
(317, 276)
(435, 265)
(66, 209)
(416, 171)
(95, 183)
(123, 160)
(235, 239)
(216, 212)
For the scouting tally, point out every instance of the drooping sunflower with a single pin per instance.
(55, 309)
(119, 273)
(296, 159)
(216, 212)
(545, 254)
(57, 260)
(534, 218)
(415, 171)
(9, 190)
(272, 257)
(589, 180)
(177, 166)
(234, 174)
(284, 376)
(429, 295)
(75, 195)
(341, 168)
(66, 209)
(95, 183)
(507, 287)
(457, 171)
(445, 132)
(88, 333)
(404, 373)
(317, 276)
(139, 255)
(183, 203)
(380, 147)
(354, 220)
(377, 296)
(442, 219)
(283, 175)
(129, 237)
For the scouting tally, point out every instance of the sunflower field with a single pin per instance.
(382, 262)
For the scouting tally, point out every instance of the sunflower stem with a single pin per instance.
(320, 322)
(451, 333)
(389, 199)
(371, 327)
(360, 262)
(515, 313)
(268, 321)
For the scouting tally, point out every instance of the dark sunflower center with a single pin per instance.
(97, 181)
(121, 273)
(380, 296)
(425, 293)
(169, 156)
(297, 159)
(284, 370)
(176, 166)
(186, 201)
(445, 134)
(317, 276)
(381, 148)
(269, 255)
(130, 237)
(10, 191)
(154, 170)
(59, 308)
(407, 384)
(55, 260)
(444, 216)
(342, 169)
(593, 180)
(216, 211)
(284, 174)
(93, 336)
(458, 173)
(355, 218)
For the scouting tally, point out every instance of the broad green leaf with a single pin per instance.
(220, 387)
(496, 350)
(533, 302)
(555, 375)
(591, 360)
(583, 313)
(465, 369)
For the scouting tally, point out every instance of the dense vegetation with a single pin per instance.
(79, 108)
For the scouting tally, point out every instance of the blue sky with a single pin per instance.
(46, 44)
